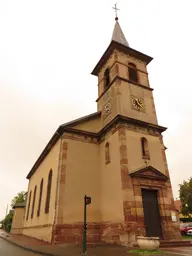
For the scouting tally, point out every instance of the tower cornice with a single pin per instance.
(125, 80)
(122, 48)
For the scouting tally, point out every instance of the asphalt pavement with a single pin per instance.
(7, 249)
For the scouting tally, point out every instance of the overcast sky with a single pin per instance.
(47, 52)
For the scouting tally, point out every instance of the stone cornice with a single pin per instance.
(125, 80)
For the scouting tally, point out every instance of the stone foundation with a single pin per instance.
(96, 233)
(73, 233)
(118, 233)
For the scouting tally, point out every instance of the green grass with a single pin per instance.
(187, 237)
(145, 252)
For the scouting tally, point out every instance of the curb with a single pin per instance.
(27, 248)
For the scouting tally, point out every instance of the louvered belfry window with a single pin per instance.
(133, 76)
(107, 78)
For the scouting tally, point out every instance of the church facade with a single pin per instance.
(116, 156)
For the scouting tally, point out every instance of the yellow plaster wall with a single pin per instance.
(128, 92)
(82, 177)
(111, 190)
(135, 160)
(41, 233)
(17, 222)
(93, 125)
(109, 63)
(124, 59)
(121, 95)
(50, 162)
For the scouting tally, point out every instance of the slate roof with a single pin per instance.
(118, 35)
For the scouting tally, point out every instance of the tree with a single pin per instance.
(185, 193)
(7, 222)
(19, 198)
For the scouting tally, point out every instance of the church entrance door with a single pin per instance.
(151, 213)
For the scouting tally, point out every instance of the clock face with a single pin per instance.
(107, 108)
(138, 103)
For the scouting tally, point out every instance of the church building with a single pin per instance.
(115, 155)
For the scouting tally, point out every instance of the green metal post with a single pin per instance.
(85, 228)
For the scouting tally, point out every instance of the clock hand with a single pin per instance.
(137, 101)
(140, 104)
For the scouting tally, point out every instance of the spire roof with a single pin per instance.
(118, 35)
(119, 42)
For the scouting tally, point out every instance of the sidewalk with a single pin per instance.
(63, 249)
(44, 248)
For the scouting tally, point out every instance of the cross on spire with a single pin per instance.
(116, 9)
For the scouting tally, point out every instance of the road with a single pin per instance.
(7, 249)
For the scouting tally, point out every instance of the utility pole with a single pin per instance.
(5, 215)
(6, 210)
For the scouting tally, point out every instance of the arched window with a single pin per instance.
(40, 197)
(145, 148)
(133, 76)
(107, 78)
(107, 153)
(47, 203)
(29, 202)
(33, 205)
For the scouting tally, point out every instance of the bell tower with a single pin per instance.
(123, 85)
(132, 145)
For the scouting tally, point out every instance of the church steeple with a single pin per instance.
(123, 85)
(119, 43)
(118, 35)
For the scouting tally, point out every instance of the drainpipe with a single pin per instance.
(56, 192)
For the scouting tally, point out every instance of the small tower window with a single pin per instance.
(133, 76)
(28, 208)
(33, 205)
(107, 153)
(145, 148)
(106, 78)
(48, 192)
(40, 197)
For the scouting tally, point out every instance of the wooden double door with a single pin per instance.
(151, 213)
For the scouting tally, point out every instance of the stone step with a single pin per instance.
(173, 243)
